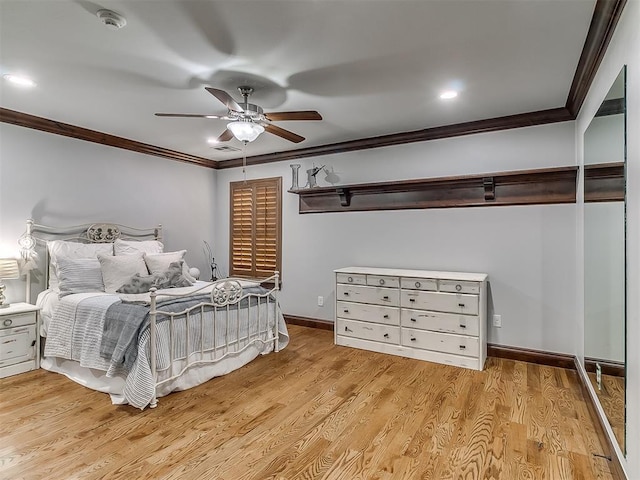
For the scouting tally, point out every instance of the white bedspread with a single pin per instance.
(76, 327)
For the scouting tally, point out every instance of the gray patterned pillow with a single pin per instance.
(172, 277)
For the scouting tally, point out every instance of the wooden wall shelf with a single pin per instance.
(523, 187)
(604, 182)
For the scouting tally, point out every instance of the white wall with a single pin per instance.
(528, 251)
(61, 181)
(624, 49)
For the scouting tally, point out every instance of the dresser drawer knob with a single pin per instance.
(346, 310)
(346, 294)
(347, 329)
(7, 322)
(461, 305)
(458, 287)
(386, 297)
(386, 335)
(463, 347)
(385, 316)
(413, 320)
(413, 339)
(382, 281)
(418, 284)
(462, 325)
(350, 279)
(412, 299)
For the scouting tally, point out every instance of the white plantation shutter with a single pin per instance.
(255, 227)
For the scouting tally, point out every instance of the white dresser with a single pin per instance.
(435, 316)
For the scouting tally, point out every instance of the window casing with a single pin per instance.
(256, 227)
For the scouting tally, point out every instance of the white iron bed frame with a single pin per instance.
(226, 294)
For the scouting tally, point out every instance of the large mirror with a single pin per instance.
(604, 255)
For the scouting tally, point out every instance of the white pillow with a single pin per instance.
(66, 249)
(118, 270)
(79, 275)
(129, 247)
(159, 263)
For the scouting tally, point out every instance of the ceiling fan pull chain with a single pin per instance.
(244, 160)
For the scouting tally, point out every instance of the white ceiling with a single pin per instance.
(370, 67)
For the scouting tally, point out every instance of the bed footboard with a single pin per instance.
(227, 321)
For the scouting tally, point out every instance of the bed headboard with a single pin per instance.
(34, 240)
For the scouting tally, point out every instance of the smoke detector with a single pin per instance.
(112, 20)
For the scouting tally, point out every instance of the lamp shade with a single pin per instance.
(9, 268)
(244, 130)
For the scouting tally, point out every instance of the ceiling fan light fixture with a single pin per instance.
(245, 131)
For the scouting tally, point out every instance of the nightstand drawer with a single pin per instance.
(17, 320)
(17, 345)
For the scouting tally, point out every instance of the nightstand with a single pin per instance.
(19, 339)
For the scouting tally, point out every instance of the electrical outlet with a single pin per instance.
(497, 321)
(320, 301)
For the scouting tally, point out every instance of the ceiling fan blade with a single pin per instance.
(189, 115)
(302, 115)
(225, 136)
(225, 98)
(281, 132)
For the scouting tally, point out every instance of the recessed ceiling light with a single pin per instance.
(448, 95)
(19, 80)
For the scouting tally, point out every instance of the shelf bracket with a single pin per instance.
(345, 196)
(489, 188)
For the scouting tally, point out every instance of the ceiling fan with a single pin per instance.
(247, 120)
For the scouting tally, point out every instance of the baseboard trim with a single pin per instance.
(617, 471)
(561, 360)
(308, 322)
(615, 369)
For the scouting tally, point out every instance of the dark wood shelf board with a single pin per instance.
(604, 182)
(525, 187)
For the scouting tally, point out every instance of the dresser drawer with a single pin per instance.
(440, 322)
(459, 287)
(17, 320)
(17, 345)
(440, 302)
(352, 278)
(383, 281)
(376, 295)
(441, 342)
(368, 313)
(419, 284)
(368, 331)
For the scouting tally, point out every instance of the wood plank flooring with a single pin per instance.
(312, 411)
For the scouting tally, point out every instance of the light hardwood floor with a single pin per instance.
(312, 411)
(612, 398)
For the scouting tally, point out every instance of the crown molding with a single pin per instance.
(603, 23)
(80, 133)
